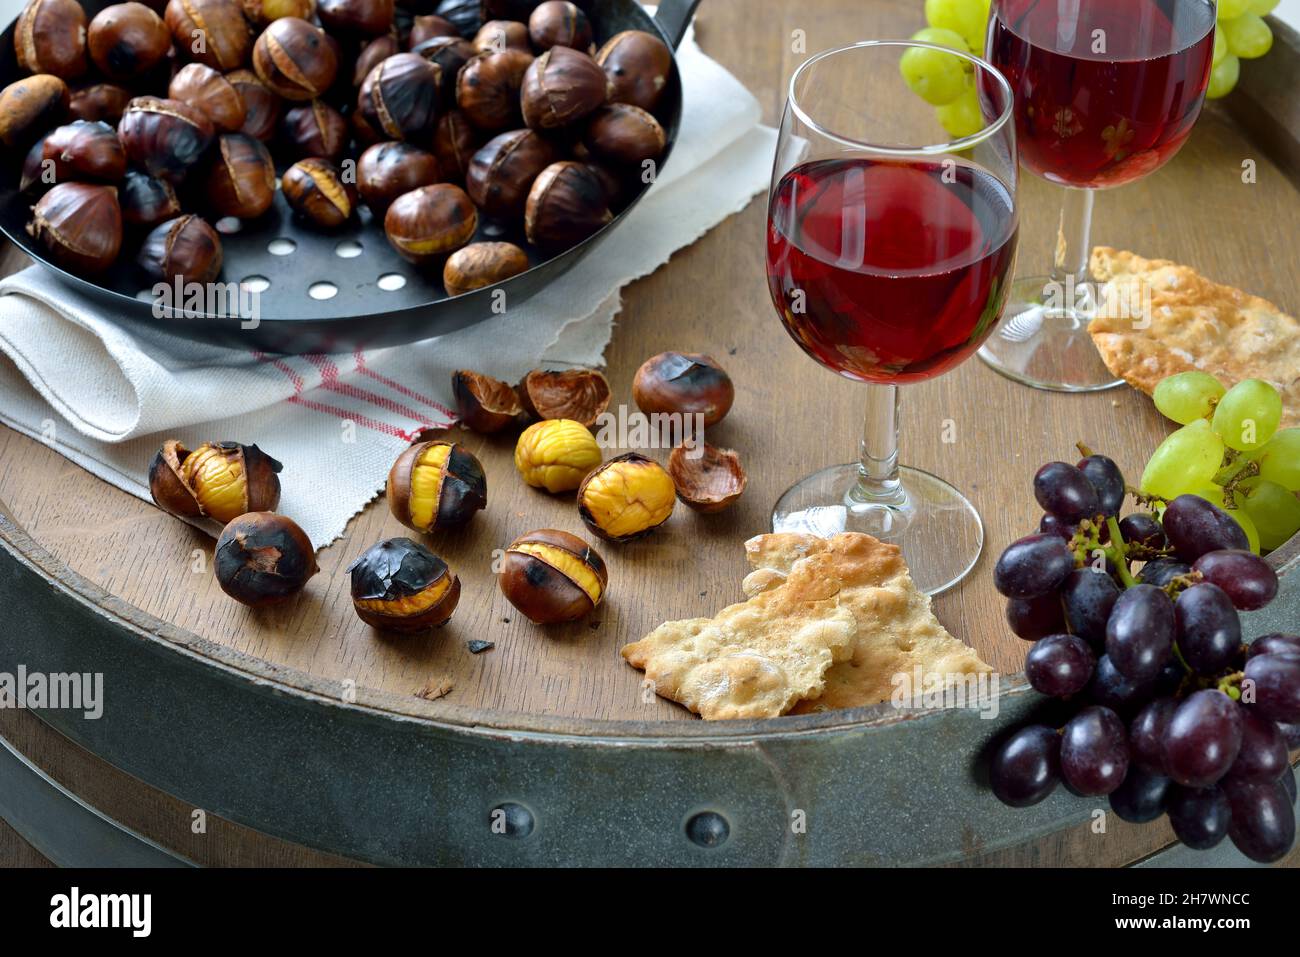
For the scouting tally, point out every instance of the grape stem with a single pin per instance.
(1231, 685)
(1117, 551)
(1142, 498)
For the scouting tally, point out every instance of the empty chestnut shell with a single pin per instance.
(295, 59)
(638, 65)
(184, 248)
(387, 170)
(50, 37)
(566, 204)
(80, 225)
(448, 54)
(314, 188)
(497, 35)
(164, 137)
(263, 558)
(211, 94)
(487, 89)
(147, 201)
(347, 17)
(559, 23)
(261, 104)
(401, 586)
(552, 577)
(372, 54)
(684, 383)
(502, 171)
(454, 143)
(241, 180)
(626, 498)
(316, 129)
(623, 134)
(707, 479)
(400, 97)
(262, 12)
(31, 106)
(84, 150)
(428, 26)
(577, 394)
(103, 101)
(218, 480)
(127, 40)
(560, 87)
(482, 264)
(213, 32)
(429, 222)
(483, 403)
(436, 485)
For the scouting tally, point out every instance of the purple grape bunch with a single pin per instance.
(1136, 620)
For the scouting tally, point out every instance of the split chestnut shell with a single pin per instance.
(401, 586)
(263, 559)
(435, 485)
(218, 480)
(553, 577)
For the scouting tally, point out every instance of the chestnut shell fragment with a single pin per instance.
(577, 394)
(709, 482)
(263, 559)
(399, 569)
(485, 404)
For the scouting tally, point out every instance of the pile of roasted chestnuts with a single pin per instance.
(150, 122)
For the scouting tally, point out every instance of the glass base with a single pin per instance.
(1047, 346)
(938, 529)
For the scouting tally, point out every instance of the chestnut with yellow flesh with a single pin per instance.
(567, 564)
(399, 585)
(426, 483)
(436, 485)
(219, 480)
(553, 577)
(556, 454)
(217, 477)
(626, 498)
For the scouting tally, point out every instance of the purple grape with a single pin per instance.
(1108, 481)
(1088, 597)
(1275, 644)
(1094, 752)
(1263, 750)
(1246, 578)
(1140, 633)
(1033, 566)
(1141, 798)
(1026, 767)
(1263, 819)
(1195, 526)
(1203, 738)
(1290, 733)
(1052, 525)
(1146, 734)
(1142, 529)
(1199, 816)
(1110, 689)
(1034, 618)
(1059, 665)
(1162, 571)
(1170, 679)
(1066, 492)
(1276, 686)
(1209, 631)
(1288, 783)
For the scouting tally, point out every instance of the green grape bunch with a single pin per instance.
(1241, 33)
(944, 81)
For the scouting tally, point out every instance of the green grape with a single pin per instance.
(1220, 47)
(1248, 36)
(1228, 9)
(1261, 7)
(1274, 510)
(1224, 77)
(969, 18)
(1188, 396)
(934, 76)
(944, 38)
(962, 117)
(1214, 493)
(1186, 460)
(1248, 414)
(1279, 459)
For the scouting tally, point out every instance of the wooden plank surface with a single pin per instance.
(791, 417)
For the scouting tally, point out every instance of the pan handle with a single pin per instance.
(673, 17)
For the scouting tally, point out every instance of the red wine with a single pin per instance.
(1106, 90)
(890, 271)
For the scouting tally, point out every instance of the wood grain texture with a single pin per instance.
(790, 417)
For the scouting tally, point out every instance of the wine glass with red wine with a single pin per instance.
(890, 249)
(1106, 93)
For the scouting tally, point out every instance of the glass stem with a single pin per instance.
(1073, 241)
(878, 481)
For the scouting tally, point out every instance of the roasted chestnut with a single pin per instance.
(427, 27)
(218, 480)
(624, 134)
(400, 97)
(31, 106)
(502, 171)
(37, 175)
(127, 40)
(483, 403)
(561, 86)
(184, 248)
(627, 497)
(556, 454)
(399, 585)
(316, 129)
(448, 54)
(261, 104)
(262, 12)
(103, 101)
(618, 188)
(210, 31)
(83, 150)
(314, 188)
(454, 142)
(50, 37)
(487, 88)
(683, 383)
(263, 558)
(566, 204)
(707, 479)
(241, 179)
(578, 394)
(164, 137)
(436, 485)
(482, 264)
(387, 170)
(497, 35)
(295, 59)
(211, 94)
(80, 225)
(429, 222)
(559, 23)
(638, 65)
(552, 577)
(347, 17)
(372, 54)
(146, 201)
(465, 15)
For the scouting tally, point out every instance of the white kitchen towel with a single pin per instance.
(106, 394)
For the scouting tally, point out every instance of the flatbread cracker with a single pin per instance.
(1194, 323)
